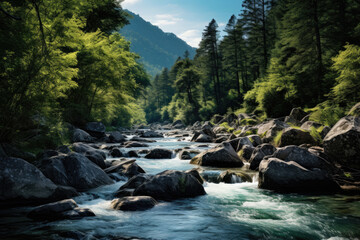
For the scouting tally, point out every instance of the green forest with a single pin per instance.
(275, 55)
(64, 62)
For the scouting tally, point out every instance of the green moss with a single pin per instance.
(348, 175)
(240, 153)
(277, 139)
(247, 122)
(263, 135)
(237, 132)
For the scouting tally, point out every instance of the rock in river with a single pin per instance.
(22, 181)
(223, 155)
(159, 153)
(138, 203)
(74, 170)
(66, 209)
(170, 185)
(281, 176)
(342, 143)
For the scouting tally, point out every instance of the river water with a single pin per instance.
(228, 211)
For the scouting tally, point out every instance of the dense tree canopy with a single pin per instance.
(276, 55)
(60, 61)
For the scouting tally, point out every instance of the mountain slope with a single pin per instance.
(156, 48)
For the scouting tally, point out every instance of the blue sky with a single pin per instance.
(186, 18)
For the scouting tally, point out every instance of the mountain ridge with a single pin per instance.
(157, 49)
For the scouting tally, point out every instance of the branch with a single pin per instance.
(9, 15)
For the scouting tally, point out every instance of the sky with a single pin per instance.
(185, 18)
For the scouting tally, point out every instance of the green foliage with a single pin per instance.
(326, 113)
(315, 133)
(248, 122)
(347, 88)
(60, 62)
(277, 138)
(227, 127)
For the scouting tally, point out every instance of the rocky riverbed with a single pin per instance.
(169, 181)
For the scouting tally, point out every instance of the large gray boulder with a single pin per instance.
(138, 203)
(342, 143)
(281, 176)
(238, 143)
(159, 153)
(301, 156)
(246, 152)
(151, 134)
(234, 177)
(223, 155)
(82, 136)
(74, 170)
(171, 185)
(22, 181)
(294, 136)
(116, 137)
(96, 129)
(259, 153)
(270, 129)
(204, 138)
(66, 209)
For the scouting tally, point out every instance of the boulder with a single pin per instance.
(203, 138)
(133, 154)
(221, 156)
(343, 142)
(85, 148)
(138, 203)
(207, 129)
(151, 134)
(246, 152)
(308, 125)
(301, 156)
(255, 140)
(135, 145)
(65, 209)
(96, 158)
(74, 170)
(238, 143)
(259, 153)
(82, 136)
(294, 136)
(187, 154)
(23, 182)
(219, 129)
(234, 177)
(139, 139)
(271, 128)
(96, 129)
(116, 137)
(135, 181)
(116, 153)
(63, 149)
(195, 173)
(297, 114)
(281, 176)
(159, 153)
(170, 185)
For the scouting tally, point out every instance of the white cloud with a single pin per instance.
(192, 37)
(162, 20)
(127, 3)
(222, 24)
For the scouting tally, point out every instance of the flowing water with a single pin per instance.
(228, 211)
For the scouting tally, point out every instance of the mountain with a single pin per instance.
(156, 48)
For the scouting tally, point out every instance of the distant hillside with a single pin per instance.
(156, 48)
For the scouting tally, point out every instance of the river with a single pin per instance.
(228, 211)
